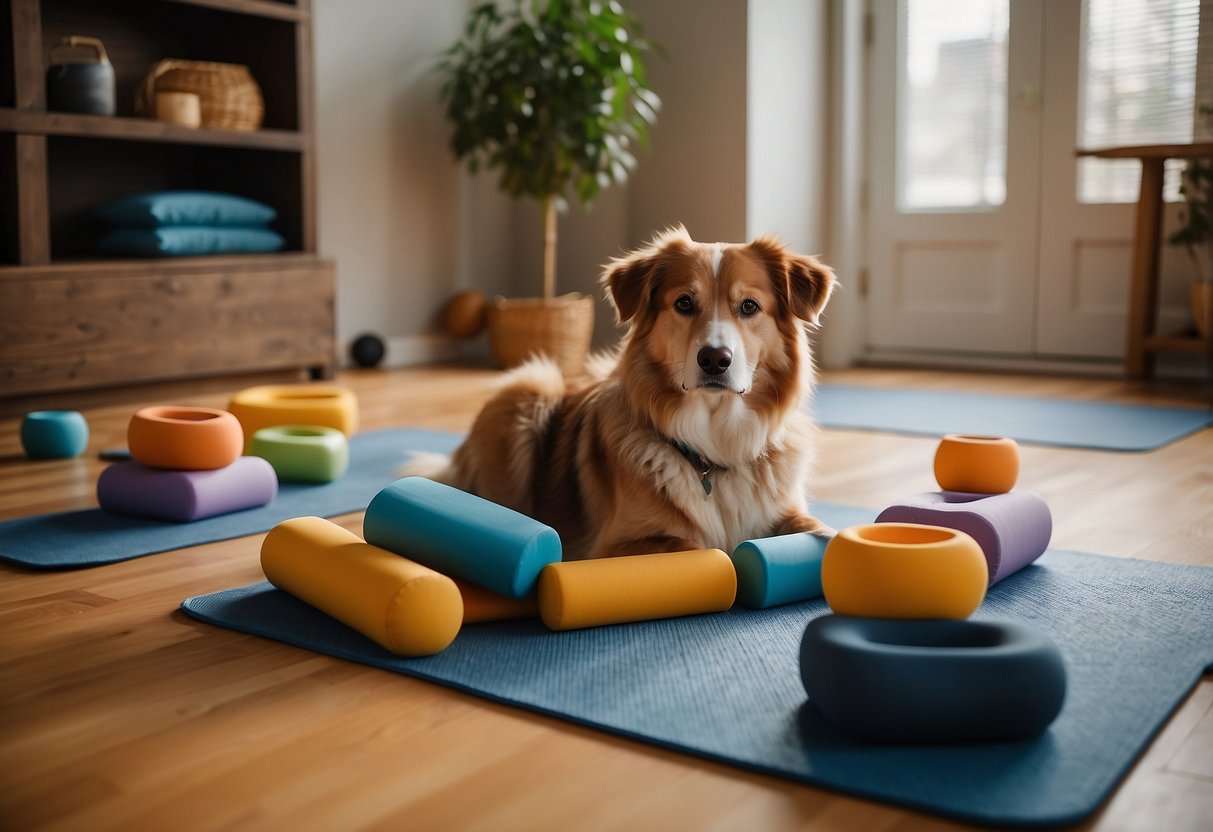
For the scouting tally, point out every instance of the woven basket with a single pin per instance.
(230, 97)
(560, 328)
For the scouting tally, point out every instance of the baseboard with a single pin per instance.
(1166, 366)
(413, 350)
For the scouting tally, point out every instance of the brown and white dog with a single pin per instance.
(696, 438)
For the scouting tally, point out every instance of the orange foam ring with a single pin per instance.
(977, 464)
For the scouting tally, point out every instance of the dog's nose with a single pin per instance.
(715, 360)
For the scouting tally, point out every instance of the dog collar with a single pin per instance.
(704, 467)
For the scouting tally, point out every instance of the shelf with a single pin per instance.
(256, 8)
(1185, 342)
(142, 129)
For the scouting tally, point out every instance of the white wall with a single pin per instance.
(738, 150)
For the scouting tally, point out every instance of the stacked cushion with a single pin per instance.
(179, 223)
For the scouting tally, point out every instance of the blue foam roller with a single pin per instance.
(779, 570)
(461, 535)
(135, 489)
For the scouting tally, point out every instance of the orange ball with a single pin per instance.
(466, 314)
(977, 464)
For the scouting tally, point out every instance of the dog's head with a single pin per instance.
(719, 318)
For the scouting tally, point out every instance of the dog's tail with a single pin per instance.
(426, 464)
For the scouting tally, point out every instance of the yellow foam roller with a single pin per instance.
(408, 608)
(590, 593)
(271, 405)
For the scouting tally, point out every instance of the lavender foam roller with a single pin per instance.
(131, 488)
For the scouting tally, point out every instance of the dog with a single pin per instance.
(692, 435)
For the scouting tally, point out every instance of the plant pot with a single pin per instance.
(560, 328)
(1201, 294)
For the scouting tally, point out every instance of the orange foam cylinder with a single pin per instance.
(184, 438)
(590, 593)
(977, 464)
(481, 605)
(407, 608)
(904, 570)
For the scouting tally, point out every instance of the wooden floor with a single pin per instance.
(119, 712)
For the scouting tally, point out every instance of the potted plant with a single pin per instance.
(1195, 234)
(553, 95)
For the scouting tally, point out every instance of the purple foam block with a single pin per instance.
(131, 488)
(1012, 529)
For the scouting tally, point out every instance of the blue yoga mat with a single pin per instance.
(1075, 424)
(91, 537)
(1136, 636)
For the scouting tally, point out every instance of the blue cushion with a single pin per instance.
(190, 239)
(159, 208)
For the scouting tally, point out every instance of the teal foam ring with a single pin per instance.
(461, 535)
(779, 570)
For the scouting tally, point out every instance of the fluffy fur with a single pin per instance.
(715, 360)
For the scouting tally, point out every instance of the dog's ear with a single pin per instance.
(810, 284)
(802, 283)
(632, 280)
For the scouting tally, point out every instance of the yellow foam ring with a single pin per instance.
(270, 405)
(977, 464)
(590, 593)
(408, 608)
(481, 605)
(904, 570)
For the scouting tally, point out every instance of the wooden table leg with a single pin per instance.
(1143, 291)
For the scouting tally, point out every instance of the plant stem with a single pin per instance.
(549, 247)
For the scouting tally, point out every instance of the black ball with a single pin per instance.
(367, 350)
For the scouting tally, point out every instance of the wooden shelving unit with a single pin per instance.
(72, 320)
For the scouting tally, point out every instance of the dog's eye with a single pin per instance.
(749, 308)
(684, 304)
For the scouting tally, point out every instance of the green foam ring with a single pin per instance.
(779, 570)
(303, 453)
(461, 535)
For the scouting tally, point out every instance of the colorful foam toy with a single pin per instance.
(184, 438)
(977, 464)
(303, 453)
(779, 570)
(403, 606)
(1012, 529)
(267, 406)
(590, 593)
(54, 434)
(461, 535)
(135, 489)
(481, 605)
(886, 681)
(904, 570)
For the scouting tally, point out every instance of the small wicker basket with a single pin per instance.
(560, 328)
(229, 96)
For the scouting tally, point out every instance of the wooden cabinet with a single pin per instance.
(71, 319)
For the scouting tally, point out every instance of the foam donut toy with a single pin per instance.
(904, 570)
(269, 405)
(54, 434)
(591, 593)
(303, 453)
(401, 605)
(977, 464)
(1012, 529)
(887, 681)
(184, 438)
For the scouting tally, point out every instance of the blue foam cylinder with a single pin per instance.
(461, 535)
(779, 570)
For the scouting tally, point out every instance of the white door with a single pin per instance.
(986, 234)
(953, 122)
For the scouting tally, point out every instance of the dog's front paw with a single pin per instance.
(804, 523)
